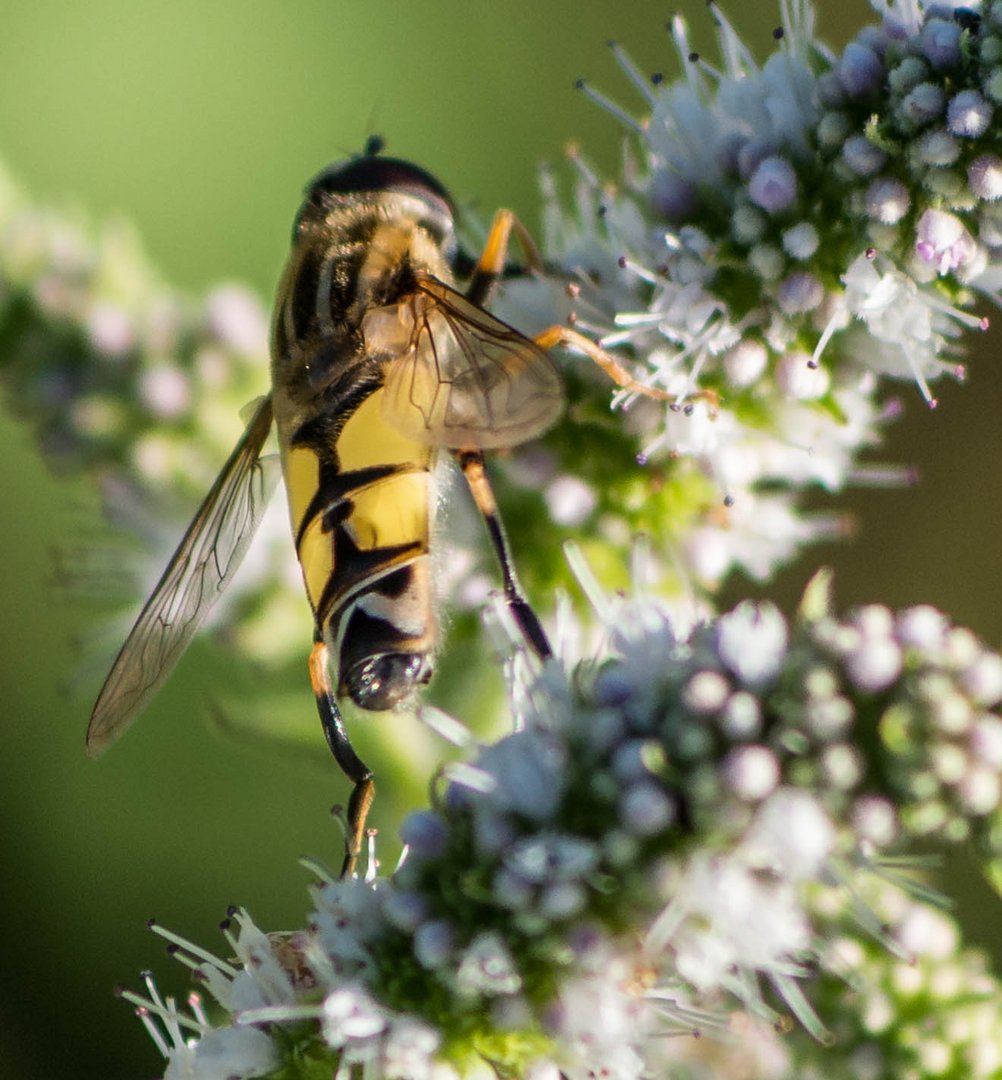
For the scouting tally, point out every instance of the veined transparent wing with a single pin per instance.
(468, 381)
(199, 570)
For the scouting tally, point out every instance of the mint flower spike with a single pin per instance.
(690, 829)
(784, 238)
(142, 386)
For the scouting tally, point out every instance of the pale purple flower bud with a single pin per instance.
(235, 317)
(980, 789)
(645, 809)
(529, 770)
(563, 900)
(940, 43)
(968, 114)
(922, 627)
(937, 148)
(165, 391)
(673, 197)
(984, 174)
(766, 261)
(742, 717)
(751, 154)
(831, 93)
(842, 766)
(801, 241)
(862, 157)
(793, 834)
(873, 37)
(751, 641)
(405, 909)
(986, 740)
(907, 74)
(425, 833)
(110, 330)
(860, 70)
(943, 241)
(751, 772)
(887, 201)
(874, 620)
(990, 49)
(746, 362)
(633, 760)
(569, 500)
(748, 224)
(834, 128)
(874, 819)
(512, 891)
(773, 185)
(874, 664)
(706, 692)
(434, 942)
(799, 292)
(927, 933)
(924, 103)
(983, 679)
(993, 86)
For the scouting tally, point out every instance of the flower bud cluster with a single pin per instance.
(675, 829)
(793, 233)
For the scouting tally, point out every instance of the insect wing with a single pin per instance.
(468, 381)
(198, 572)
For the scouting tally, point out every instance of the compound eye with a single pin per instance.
(381, 682)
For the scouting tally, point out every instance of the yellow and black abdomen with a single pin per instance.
(360, 501)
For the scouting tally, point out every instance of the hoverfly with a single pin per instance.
(378, 365)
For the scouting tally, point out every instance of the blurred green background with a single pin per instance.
(200, 123)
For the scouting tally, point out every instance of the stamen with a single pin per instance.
(152, 1030)
(163, 1011)
(590, 586)
(883, 476)
(791, 991)
(317, 868)
(193, 949)
(277, 1014)
(920, 382)
(632, 72)
(371, 861)
(641, 271)
(445, 726)
(606, 103)
(195, 1004)
(573, 154)
(469, 776)
(966, 318)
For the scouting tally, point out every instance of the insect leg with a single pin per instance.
(488, 272)
(472, 464)
(344, 754)
(489, 268)
(565, 337)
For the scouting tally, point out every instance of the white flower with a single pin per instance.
(349, 1015)
(237, 1053)
(486, 967)
(944, 242)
